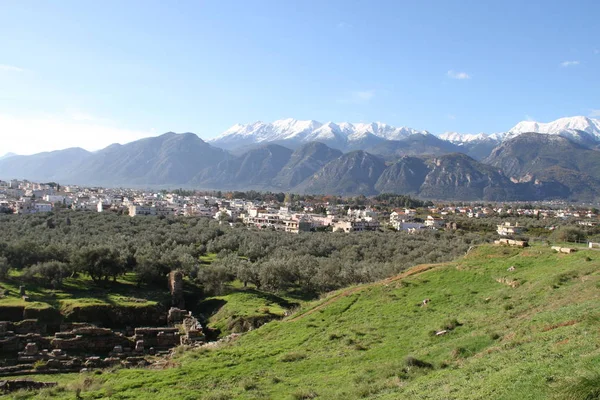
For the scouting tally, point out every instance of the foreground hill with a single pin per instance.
(531, 333)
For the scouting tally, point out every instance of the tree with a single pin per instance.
(568, 234)
(52, 271)
(4, 268)
(100, 262)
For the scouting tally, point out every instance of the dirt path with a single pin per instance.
(410, 272)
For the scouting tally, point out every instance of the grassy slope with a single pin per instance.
(519, 342)
(240, 307)
(81, 292)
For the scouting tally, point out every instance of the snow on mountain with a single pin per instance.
(7, 155)
(563, 126)
(340, 135)
(455, 137)
(347, 136)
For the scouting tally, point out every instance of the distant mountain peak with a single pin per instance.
(343, 135)
(557, 127)
(8, 155)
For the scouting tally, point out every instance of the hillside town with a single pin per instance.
(25, 197)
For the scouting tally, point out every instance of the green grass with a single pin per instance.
(241, 308)
(81, 292)
(525, 341)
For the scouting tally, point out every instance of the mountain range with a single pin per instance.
(558, 160)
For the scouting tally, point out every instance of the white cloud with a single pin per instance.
(595, 113)
(343, 25)
(458, 75)
(529, 118)
(565, 64)
(358, 97)
(10, 68)
(451, 116)
(29, 135)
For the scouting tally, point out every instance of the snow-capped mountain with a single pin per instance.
(347, 136)
(575, 128)
(292, 132)
(458, 138)
(477, 145)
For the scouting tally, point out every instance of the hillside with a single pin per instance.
(547, 158)
(530, 333)
(166, 159)
(352, 173)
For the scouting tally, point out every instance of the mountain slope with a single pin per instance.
(167, 159)
(303, 163)
(524, 334)
(413, 145)
(405, 176)
(550, 158)
(352, 173)
(476, 146)
(253, 169)
(54, 165)
(457, 176)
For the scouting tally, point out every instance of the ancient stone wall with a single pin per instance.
(176, 289)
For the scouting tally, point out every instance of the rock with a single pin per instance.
(31, 349)
(23, 384)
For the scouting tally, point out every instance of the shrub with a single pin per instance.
(451, 324)
(4, 268)
(292, 357)
(304, 394)
(415, 362)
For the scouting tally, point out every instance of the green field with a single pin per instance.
(526, 334)
(80, 291)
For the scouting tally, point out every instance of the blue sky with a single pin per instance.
(89, 73)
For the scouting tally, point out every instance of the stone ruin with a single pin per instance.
(23, 384)
(176, 289)
(24, 348)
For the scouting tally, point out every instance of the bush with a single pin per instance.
(52, 272)
(292, 357)
(568, 234)
(4, 268)
(304, 394)
(415, 362)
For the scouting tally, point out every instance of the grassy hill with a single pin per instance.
(523, 334)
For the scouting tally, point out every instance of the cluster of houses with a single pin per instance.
(25, 197)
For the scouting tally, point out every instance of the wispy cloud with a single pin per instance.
(10, 68)
(451, 116)
(458, 75)
(566, 64)
(343, 25)
(358, 97)
(596, 51)
(595, 113)
(529, 118)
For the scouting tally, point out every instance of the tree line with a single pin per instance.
(105, 246)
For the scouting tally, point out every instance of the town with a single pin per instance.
(317, 213)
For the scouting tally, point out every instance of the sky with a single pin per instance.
(91, 73)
